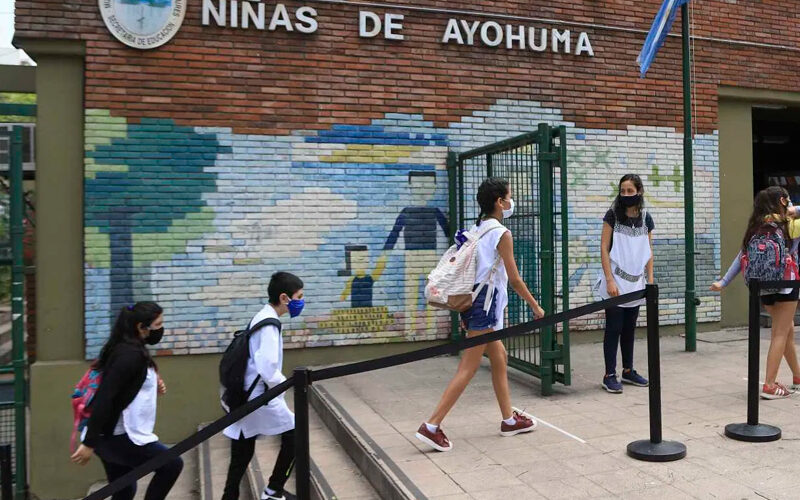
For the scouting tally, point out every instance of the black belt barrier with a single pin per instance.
(351, 369)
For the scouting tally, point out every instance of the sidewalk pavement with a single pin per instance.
(581, 453)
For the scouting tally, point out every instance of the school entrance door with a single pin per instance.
(535, 166)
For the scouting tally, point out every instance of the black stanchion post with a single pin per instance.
(302, 459)
(5, 472)
(655, 449)
(752, 431)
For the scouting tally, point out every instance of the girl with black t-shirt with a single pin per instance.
(626, 252)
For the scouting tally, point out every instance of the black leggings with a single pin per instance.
(242, 452)
(620, 331)
(120, 455)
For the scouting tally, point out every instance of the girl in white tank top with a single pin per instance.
(494, 198)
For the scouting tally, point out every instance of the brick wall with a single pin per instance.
(230, 153)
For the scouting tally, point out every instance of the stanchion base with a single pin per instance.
(759, 433)
(665, 451)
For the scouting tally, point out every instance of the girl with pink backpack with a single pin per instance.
(495, 268)
(115, 403)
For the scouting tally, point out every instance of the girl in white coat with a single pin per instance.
(266, 359)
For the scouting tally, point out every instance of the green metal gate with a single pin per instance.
(535, 166)
(19, 363)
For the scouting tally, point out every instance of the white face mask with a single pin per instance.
(508, 213)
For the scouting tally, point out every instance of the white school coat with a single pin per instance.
(266, 359)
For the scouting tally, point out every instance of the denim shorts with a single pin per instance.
(475, 317)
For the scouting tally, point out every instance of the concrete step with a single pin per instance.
(334, 476)
(186, 488)
(347, 416)
(214, 457)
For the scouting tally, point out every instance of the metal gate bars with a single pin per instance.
(535, 166)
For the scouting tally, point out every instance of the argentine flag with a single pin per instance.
(658, 33)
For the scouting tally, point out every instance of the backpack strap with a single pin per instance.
(492, 223)
(490, 277)
(264, 322)
(251, 330)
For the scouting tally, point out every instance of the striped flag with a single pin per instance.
(658, 33)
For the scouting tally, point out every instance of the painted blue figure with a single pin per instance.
(359, 287)
(418, 223)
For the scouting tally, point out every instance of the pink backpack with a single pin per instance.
(81, 399)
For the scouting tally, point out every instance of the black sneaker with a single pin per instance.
(278, 495)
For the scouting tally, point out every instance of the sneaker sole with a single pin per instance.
(773, 396)
(431, 443)
(631, 382)
(519, 431)
(612, 391)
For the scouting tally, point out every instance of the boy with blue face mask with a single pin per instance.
(266, 360)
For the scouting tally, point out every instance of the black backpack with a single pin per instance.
(233, 365)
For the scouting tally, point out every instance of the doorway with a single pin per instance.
(776, 148)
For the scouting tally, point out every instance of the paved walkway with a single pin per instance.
(583, 454)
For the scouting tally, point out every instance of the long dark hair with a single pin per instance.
(489, 191)
(618, 207)
(767, 203)
(126, 330)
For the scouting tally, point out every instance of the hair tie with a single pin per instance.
(130, 308)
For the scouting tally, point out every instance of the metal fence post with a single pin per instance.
(655, 449)
(562, 162)
(453, 194)
(302, 459)
(548, 282)
(17, 311)
(751, 430)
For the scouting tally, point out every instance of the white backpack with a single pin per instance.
(450, 285)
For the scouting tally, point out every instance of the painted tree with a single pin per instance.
(147, 183)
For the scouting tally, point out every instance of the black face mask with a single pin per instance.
(630, 201)
(154, 337)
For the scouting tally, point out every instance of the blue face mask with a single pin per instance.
(296, 307)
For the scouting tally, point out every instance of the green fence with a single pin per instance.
(19, 363)
(535, 166)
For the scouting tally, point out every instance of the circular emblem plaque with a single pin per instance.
(143, 24)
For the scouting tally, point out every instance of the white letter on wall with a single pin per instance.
(470, 30)
(451, 32)
(364, 18)
(210, 11)
(391, 24)
(559, 37)
(248, 14)
(498, 34)
(584, 45)
(519, 37)
(308, 23)
(281, 18)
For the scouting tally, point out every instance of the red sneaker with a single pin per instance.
(436, 440)
(775, 391)
(522, 423)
